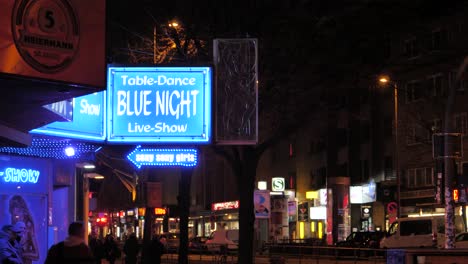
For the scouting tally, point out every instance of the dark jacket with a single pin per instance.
(8, 252)
(131, 249)
(72, 250)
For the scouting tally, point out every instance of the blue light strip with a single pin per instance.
(163, 157)
(51, 148)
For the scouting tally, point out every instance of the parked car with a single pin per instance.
(222, 238)
(419, 232)
(197, 244)
(461, 240)
(172, 242)
(366, 239)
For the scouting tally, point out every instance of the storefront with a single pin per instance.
(25, 196)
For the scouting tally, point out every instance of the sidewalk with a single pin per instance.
(209, 259)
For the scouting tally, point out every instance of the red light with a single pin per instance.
(455, 195)
(103, 220)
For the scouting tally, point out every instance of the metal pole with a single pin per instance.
(155, 47)
(397, 164)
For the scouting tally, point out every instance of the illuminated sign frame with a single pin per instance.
(278, 184)
(159, 104)
(89, 120)
(163, 157)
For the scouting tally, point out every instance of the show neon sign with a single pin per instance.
(15, 175)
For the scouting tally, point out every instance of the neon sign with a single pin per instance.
(225, 205)
(20, 175)
(159, 211)
(163, 157)
(89, 113)
(164, 104)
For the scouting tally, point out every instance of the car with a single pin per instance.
(197, 244)
(223, 239)
(419, 232)
(171, 242)
(461, 240)
(365, 239)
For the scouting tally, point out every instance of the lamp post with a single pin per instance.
(385, 80)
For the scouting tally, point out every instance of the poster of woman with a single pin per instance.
(30, 210)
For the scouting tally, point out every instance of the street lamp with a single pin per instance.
(386, 80)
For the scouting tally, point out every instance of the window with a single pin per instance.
(439, 39)
(436, 125)
(413, 91)
(388, 171)
(364, 170)
(436, 84)
(417, 134)
(365, 129)
(420, 177)
(411, 48)
(417, 227)
(461, 85)
(460, 122)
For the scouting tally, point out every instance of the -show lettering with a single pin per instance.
(20, 175)
(159, 127)
(161, 80)
(89, 109)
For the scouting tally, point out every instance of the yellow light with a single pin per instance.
(320, 230)
(312, 195)
(455, 195)
(383, 80)
(301, 230)
(173, 24)
(312, 227)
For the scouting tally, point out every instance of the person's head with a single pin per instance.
(76, 229)
(19, 228)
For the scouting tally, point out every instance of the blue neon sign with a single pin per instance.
(89, 113)
(159, 104)
(24, 175)
(163, 157)
(20, 175)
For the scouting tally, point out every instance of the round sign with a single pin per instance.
(46, 33)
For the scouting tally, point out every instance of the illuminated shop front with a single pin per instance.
(312, 215)
(362, 198)
(223, 213)
(25, 193)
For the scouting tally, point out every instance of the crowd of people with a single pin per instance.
(73, 248)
